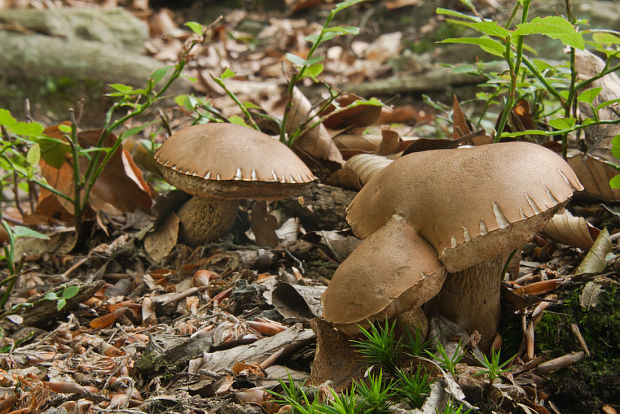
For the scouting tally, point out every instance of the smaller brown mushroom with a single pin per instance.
(392, 272)
(221, 164)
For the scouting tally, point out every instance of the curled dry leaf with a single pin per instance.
(570, 230)
(351, 112)
(358, 170)
(316, 142)
(594, 261)
(106, 321)
(594, 174)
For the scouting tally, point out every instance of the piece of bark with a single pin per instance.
(169, 351)
(256, 352)
(44, 311)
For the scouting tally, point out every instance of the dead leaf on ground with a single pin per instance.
(570, 230)
(594, 261)
(594, 174)
(351, 111)
(160, 243)
(316, 142)
(263, 225)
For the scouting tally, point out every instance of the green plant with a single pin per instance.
(375, 393)
(452, 408)
(23, 144)
(379, 345)
(9, 256)
(492, 367)
(446, 361)
(415, 346)
(414, 388)
(542, 84)
(61, 300)
(615, 151)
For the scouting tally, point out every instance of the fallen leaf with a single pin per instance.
(263, 225)
(594, 174)
(106, 321)
(160, 243)
(594, 261)
(351, 111)
(570, 230)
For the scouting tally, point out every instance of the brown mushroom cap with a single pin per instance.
(452, 198)
(229, 161)
(390, 272)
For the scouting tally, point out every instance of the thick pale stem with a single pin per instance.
(471, 298)
(206, 219)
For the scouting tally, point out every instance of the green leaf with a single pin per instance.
(615, 182)
(160, 73)
(70, 291)
(236, 119)
(51, 296)
(313, 71)
(133, 131)
(6, 118)
(29, 129)
(607, 103)
(588, 96)
(594, 260)
(488, 45)
(61, 303)
(562, 123)
(251, 105)
(487, 28)
(448, 12)
(195, 27)
(65, 128)
(21, 231)
(181, 100)
(227, 74)
(343, 5)
(555, 27)
(343, 30)
(606, 38)
(541, 65)
(121, 87)
(615, 147)
(53, 152)
(34, 155)
(299, 61)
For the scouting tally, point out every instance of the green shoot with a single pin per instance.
(379, 345)
(375, 393)
(448, 362)
(413, 388)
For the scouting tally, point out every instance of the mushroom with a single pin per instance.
(473, 206)
(221, 164)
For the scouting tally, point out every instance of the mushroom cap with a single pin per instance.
(390, 272)
(228, 161)
(470, 204)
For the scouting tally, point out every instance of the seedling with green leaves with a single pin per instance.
(553, 92)
(61, 297)
(493, 367)
(414, 386)
(379, 345)
(446, 359)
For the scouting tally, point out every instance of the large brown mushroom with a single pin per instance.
(473, 206)
(221, 164)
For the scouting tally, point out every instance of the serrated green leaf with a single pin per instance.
(64, 128)
(121, 87)
(195, 27)
(488, 45)
(555, 27)
(6, 118)
(562, 123)
(589, 95)
(227, 74)
(615, 182)
(604, 38)
(33, 155)
(615, 147)
(594, 260)
(21, 231)
(70, 291)
(454, 13)
(159, 74)
(488, 28)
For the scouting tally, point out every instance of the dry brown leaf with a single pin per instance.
(594, 261)
(390, 142)
(570, 230)
(460, 126)
(386, 46)
(594, 174)
(120, 187)
(353, 144)
(315, 142)
(346, 117)
(106, 321)
(538, 288)
(160, 243)
(264, 225)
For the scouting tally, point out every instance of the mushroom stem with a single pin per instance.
(206, 219)
(471, 298)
